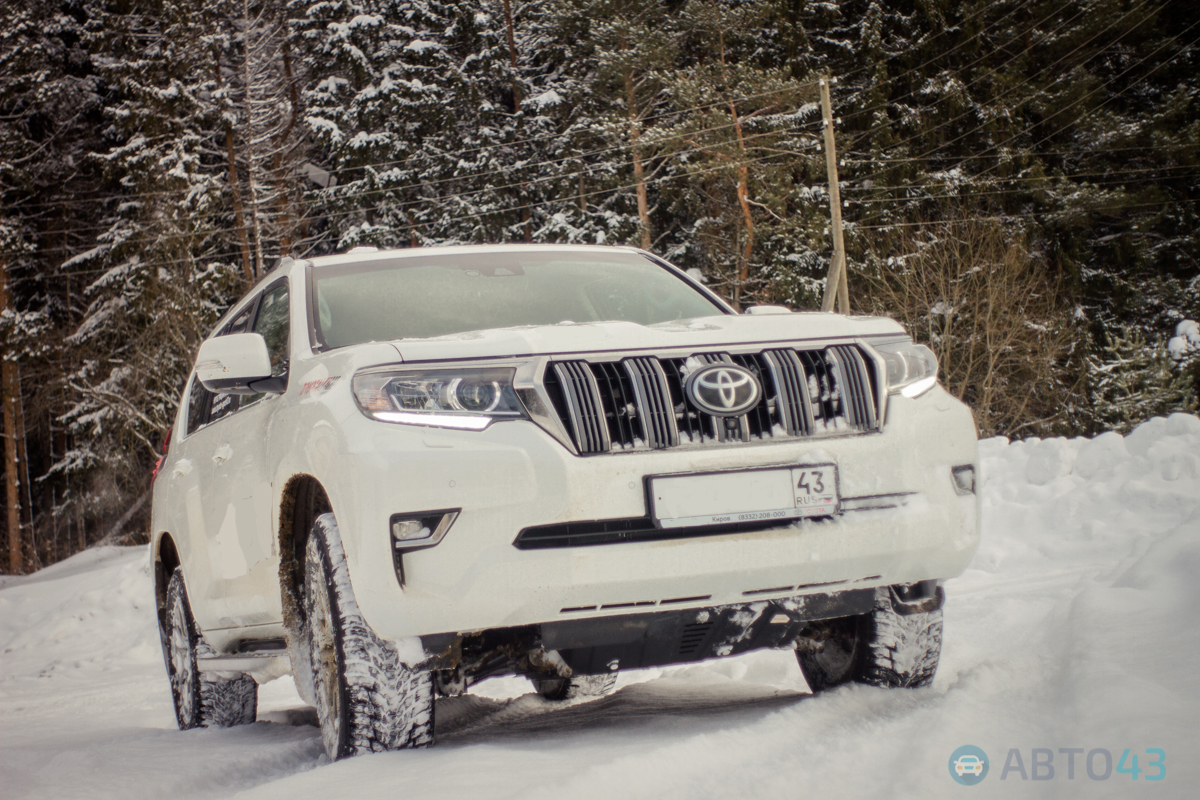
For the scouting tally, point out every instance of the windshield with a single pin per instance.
(437, 295)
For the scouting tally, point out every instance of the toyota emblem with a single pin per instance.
(723, 390)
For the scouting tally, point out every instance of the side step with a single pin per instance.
(263, 660)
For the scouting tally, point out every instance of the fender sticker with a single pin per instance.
(319, 387)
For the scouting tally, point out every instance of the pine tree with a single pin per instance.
(50, 107)
(166, 263)
(744, 144)
(382, 92)
(1133, 381)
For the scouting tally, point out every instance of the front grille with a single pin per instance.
(640, 403)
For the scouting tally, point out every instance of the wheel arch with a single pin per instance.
(166, 561)
(303, 500)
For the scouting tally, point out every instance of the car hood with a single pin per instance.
(704, 332)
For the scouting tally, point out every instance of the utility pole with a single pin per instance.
(835, 283)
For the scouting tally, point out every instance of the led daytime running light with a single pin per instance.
(471, 423)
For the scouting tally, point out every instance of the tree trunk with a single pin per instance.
(743, 184)
(252, 166)
(235, 189)
(282, 206)
(23, 463)
(8, 381)
(512, 54)
(526, 215)
(639, 171)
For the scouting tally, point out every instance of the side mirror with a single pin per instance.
(230, 364)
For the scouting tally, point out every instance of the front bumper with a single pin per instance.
(904, 522)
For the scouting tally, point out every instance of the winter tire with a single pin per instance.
(882, 648)
(367, 699)
(201, 699)
(576, 686)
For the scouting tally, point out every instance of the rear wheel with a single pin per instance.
(883, 648)
(576, 686)
(201, 699)
(367, 699)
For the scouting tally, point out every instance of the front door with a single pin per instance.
(237, 494)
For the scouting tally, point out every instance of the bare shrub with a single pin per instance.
(998, 322)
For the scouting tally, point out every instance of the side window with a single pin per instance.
(222, 406)
(272, 323)
(198, 402)
(204, 407)
(240, 323)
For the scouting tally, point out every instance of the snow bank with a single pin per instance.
(1186, 340)
(1074, 627)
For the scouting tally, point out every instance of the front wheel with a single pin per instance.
(367, 699)
(882, 648)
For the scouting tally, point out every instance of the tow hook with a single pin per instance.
(550, 662)
(916, 598)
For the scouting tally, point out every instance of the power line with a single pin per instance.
(1010, 217)
(1089, 94)
(927, 154)
(405, 205)
(1042, 153)
(1031, 28)
(1050, 179)
(465, 195)
(600, 151)
(410, 227)
(458, 154)
(576, 156)
(573, 157)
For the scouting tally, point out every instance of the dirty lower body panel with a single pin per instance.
(635, 641)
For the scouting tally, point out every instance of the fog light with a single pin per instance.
(416, 532)
(964, 478)
(423, 529)
(405, 529)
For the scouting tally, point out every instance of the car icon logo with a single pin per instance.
(723, 390)
(968, 765)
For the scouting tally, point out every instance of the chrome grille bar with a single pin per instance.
(584, 414)
(794, 406)
(855, 386)
(654, 405)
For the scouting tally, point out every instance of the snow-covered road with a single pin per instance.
(1075, 627)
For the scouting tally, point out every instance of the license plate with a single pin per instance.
(761, 495)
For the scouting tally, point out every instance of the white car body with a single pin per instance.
(222, 499)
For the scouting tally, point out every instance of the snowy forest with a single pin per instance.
(1019, 182)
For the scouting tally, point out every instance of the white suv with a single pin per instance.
(397, 473)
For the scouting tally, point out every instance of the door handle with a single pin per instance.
(222, 454)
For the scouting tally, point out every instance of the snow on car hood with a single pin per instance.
(704, 332)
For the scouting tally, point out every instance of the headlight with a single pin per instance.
(466, 398)
(911, 368)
